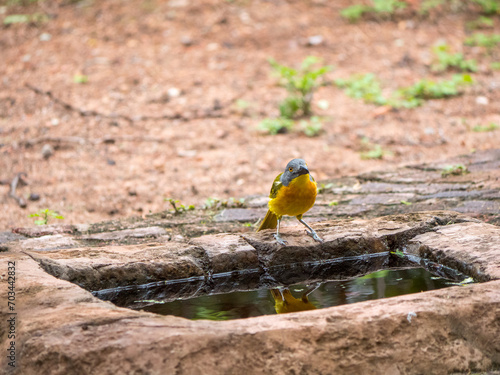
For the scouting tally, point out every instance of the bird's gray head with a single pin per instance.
(294, 169)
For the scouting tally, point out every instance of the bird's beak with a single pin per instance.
(303, 170)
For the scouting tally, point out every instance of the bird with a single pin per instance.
(285, 302)
(293, 193)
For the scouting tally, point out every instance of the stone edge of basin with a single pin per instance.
(97, 268)
(63, 328)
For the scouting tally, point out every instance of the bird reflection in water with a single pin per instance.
(285, 302)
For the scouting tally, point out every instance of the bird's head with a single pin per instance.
(294, 169)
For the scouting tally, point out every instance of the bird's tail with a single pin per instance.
(269, 222)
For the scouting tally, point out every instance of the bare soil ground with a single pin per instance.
(122, 142)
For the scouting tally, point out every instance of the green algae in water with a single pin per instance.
(237, 305)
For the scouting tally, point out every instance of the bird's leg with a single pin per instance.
(311, 231)
(277, 234)
(312, 288)
(309, 290)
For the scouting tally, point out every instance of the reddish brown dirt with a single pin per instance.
(133, 52)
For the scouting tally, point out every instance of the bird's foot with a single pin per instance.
(314, 235)
(279, 239)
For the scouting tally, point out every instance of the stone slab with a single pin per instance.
(471, 248)
(96, 268)
(71, 332)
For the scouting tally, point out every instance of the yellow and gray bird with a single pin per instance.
(293, 193)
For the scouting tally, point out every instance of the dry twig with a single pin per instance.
(18, 180)
(212, 112)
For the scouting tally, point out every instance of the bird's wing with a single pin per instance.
(276, 186)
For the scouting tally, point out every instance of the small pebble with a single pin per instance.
(47, 151)
(186, 153)
(173, 92)
(315, 40)
(34, 197)
(187, 41)
(482, 100)
(45, 37)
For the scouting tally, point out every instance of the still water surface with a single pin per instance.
(237, 305)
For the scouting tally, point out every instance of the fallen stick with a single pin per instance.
(13, 186)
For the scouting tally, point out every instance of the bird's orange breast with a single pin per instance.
(296, 198)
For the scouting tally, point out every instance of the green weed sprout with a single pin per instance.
(373, 151)
(300, 84)
(380, 7)
(454, 170)
(214, 203)
(425, 89)
(490, 7)
(45, 215)
(363, 86)
(211, 202)
(80, 78)
(322, 188)
(483, 40)
(481, 23)
(276, 125)
(181, 208)
(311, 127)
(367, 87)
(35, 18)
(446, 60)
(485, 128)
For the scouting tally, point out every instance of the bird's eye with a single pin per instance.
(290, 169)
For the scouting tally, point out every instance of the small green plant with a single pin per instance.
(276, 125)
(179, 208)
(373, 151)
(300, 84)
(454, 170)
(232, 202)
(311, 127)
(324, 187)
(398, 253)
(446, 60)
(485, 128)
(214, 203)
(45, 215)
(80, 78)
(406, 203)
(379, 7)
(428, 5)
(495, 65)
(333, 203)
(35, 18)
(489, 6)
(367, 87)
(354, 12)
(425, 89)
(363, 86)
(481, 23)
(483, 40)
(388, 6)
(211, 202)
